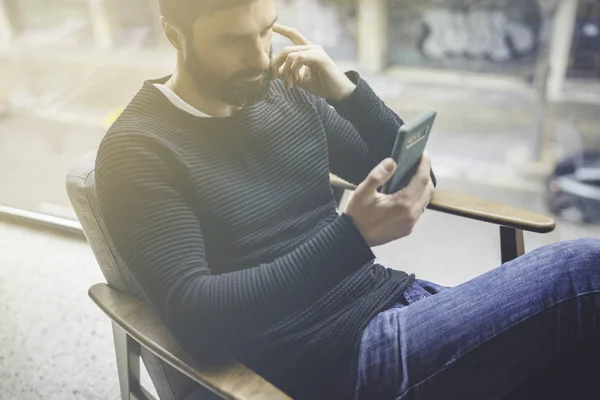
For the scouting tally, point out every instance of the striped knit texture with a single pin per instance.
(231, 228)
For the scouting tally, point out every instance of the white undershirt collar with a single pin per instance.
(179, 102)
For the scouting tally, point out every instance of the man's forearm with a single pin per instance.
(376, 123)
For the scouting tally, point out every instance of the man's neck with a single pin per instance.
(185, 88)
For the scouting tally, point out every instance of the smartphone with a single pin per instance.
(408, 150)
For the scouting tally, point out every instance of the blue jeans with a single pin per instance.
(517, 330)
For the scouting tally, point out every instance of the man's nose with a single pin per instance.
(256, 54)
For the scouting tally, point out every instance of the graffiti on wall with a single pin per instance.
(475, 34)
(478, 34)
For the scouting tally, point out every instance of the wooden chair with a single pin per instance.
(139, 332)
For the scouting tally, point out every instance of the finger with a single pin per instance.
(308, 57)
(377, 177)
(293, 34)
(430, 192)
(295, 71)
(425, 199)
(286, 73)
(291, 69)
(422, 177)
(304, 58)
(280, 58)
(295, 67)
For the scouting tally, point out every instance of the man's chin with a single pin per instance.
(239, 94)
(248, 95)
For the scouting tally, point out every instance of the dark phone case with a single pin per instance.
(408, 158)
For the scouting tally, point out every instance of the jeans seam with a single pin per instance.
(445, 366)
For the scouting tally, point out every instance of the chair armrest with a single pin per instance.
(478, 209)
(340, 183)
(483, 210)
(231, 381)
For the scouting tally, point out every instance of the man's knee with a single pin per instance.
(580, 254)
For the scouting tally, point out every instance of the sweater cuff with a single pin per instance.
(358, 248)
(355, 249)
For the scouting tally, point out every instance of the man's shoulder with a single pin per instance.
(140, 124)
(129, 142)
(134, 119)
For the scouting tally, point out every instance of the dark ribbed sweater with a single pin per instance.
(230, 227)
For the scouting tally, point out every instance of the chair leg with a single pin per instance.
(128, 362)
(512, 243)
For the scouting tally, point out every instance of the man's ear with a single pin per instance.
(173, 35)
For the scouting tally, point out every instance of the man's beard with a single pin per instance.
(233, 90)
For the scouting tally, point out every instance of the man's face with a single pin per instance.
(230, 53)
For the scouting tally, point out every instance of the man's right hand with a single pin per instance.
(382, 218)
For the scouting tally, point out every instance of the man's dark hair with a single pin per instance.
(183, 13)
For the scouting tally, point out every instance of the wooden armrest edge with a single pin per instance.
(462, 205)
(233, 381)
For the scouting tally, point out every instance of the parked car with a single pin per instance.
(573, 189)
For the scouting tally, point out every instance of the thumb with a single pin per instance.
(378, 176)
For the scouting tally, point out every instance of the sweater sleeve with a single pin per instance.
(155, 230)
(361, 131)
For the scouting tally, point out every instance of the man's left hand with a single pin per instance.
(308, 66)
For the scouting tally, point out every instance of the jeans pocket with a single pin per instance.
(415, 293)
(421, 289)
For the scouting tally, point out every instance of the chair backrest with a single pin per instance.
(170, 384)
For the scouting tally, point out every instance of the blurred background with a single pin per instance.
(516, 84)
